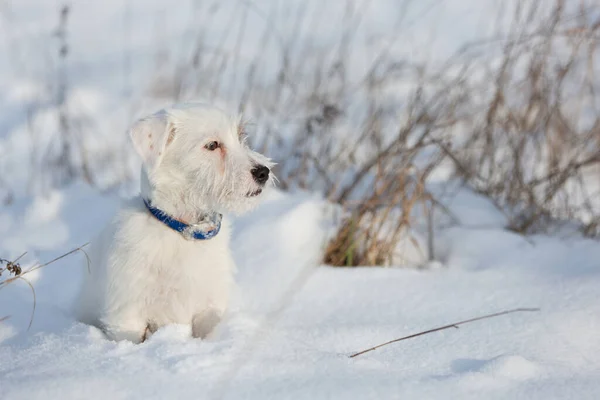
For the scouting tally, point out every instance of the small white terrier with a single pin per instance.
(165, 257)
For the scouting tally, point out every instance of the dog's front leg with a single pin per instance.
(205, 322)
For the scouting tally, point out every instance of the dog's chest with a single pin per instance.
(143, 268)
(182, 276)
(182, 263)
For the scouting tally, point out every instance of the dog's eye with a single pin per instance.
(212, 146)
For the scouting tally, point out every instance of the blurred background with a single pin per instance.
(376, 104)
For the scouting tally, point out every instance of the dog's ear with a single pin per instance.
(150, 137)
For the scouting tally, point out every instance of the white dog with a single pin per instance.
(165, 257)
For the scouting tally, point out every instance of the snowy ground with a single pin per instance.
(303, 353)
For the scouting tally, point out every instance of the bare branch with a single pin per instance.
(441, 328)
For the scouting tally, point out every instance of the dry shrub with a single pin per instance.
(535, 146)
(512, 115)
(356, 140)
(381, 179)
(371, 233)
(532, 145)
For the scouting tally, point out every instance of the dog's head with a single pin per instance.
(196, 158)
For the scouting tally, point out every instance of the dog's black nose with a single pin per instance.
(260, 174)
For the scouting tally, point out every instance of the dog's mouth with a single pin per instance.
(254, 194)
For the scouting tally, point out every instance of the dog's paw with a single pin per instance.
(136, 334)
(204, 323)
(150, 329)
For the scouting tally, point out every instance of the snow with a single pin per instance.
(293, 322)
(290, 337)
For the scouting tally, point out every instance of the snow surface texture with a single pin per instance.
(303, 352)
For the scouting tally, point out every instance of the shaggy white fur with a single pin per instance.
(144, 274)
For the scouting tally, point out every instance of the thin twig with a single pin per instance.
(36, 267)
(20, 276)
(34, 301)
(454, 325)
(60, 257)
(18, 258)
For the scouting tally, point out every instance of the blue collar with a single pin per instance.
(206, 229)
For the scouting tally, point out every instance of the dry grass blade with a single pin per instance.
(80, 248)
(20, 275)
(38, 266)
(34, 301)
(88, 262)
(18, 258)
(441, 328)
